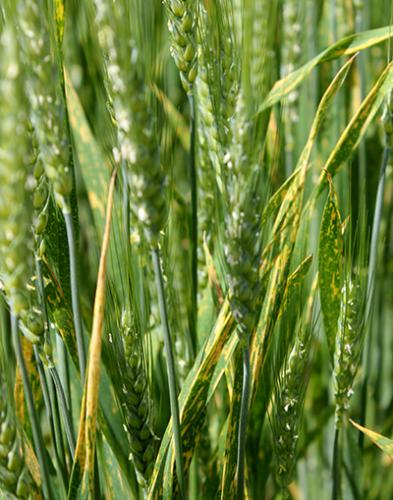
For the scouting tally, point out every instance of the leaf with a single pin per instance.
(59, 15)
(60, 309)
(285, 195)
(31, 367)
(277, 198)
(294, 283)
(347, 46)
(115, 485)
(111, 425)
(56, 278)
(382, 442)
(192, 400)
(175, 118)
(274, 296)
(94, 168)
(228, 479)
(223, 363)
(330, 249)
(85, 448)
(214, 282)
(31, 460)
(289, 211)
(93, 373)
(356, 128)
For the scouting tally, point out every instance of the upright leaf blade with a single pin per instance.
(382, 442)
(330, 248)
(93, 165)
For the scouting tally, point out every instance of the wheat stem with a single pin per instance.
(244, 407)
(375, 232)
(336, 492)
(49, 407)
(57, 421)
(63, 368)
(193, 228)
(55, 379)
(68, 427)
(170, 362)
(75, 293)
(126, 202)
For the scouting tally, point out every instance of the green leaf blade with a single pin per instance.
(330, 248)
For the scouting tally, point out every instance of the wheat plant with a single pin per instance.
(196, 249)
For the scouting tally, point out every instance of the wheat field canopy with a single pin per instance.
(196, 249)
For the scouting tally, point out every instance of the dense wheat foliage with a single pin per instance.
(196, 249)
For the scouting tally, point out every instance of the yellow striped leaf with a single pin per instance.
(346, 47)
(94, 167)
(330, 250)
(192, 402)
(357, 127)
(289, 211)
(298, 177)
(382, 442)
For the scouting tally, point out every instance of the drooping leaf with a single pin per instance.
(346, 47)
(382, 442)
(357, 127)
(292, 190)
(289, 211)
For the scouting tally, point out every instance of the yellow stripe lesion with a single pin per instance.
(59, 13)
(96, 203)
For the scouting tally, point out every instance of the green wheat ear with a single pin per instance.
(137, 144)
(15, 478)
(348, 348)
(44, 87)
(16, 245)
(43, 82)
(139, 154)
(287, 410)
(135, 402)
(15, 158)
(182, 21)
